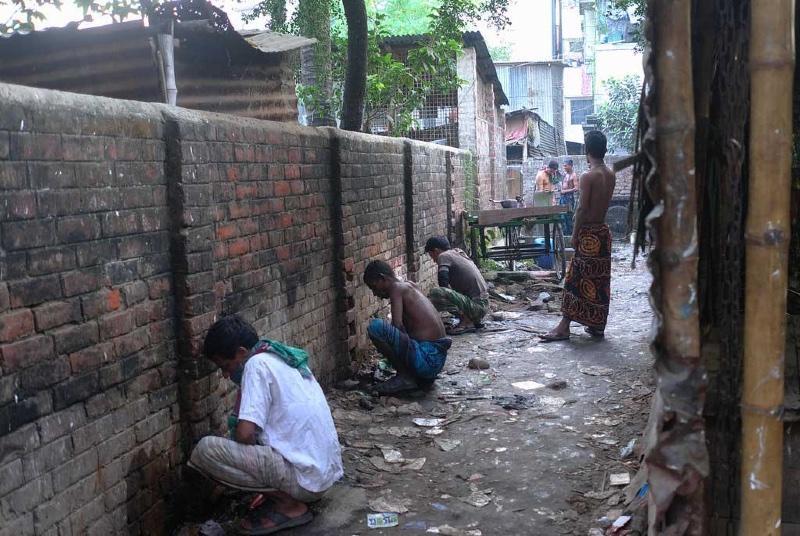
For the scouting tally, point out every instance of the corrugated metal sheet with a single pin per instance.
(111, 62)
(215, 70)
(536, 86)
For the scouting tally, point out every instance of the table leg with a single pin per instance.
(547, 239)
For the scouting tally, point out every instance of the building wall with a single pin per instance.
(126, 230)
(615, 61)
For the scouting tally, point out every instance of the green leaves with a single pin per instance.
(619, 115)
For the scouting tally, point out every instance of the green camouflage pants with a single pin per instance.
(455, 303)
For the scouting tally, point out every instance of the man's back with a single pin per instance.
(420, 319)
(597, 189)
(465, 277)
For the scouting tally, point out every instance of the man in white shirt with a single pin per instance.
(284, 442)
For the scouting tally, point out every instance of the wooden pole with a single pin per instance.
(677, 460)
(767, 243)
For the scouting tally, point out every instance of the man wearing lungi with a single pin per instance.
(587, 288)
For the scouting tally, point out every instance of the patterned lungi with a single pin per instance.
(448, 300)
(587, 288)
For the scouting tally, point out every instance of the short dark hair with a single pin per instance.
(376, 270)
(553, 164)
(596, 144)
(569, 161)
(227, 335)
(437, 242)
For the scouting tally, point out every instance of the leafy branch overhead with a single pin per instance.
(618, 116)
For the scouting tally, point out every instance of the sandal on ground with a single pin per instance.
(459, 330)
(549, 337)
(280, 522)
(594, 333)
(396, 384)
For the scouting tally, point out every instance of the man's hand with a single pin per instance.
(246, 432)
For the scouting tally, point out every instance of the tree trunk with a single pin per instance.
(355, 84)
(314, 18)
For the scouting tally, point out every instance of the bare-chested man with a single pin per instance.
(587, 288)
(414, 342)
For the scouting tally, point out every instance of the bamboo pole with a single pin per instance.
(767, 243)
(677, 460)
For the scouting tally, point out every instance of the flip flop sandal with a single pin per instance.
(262, 489)
(280, 521)
(460, 331)
(594, 333)
(553, 338)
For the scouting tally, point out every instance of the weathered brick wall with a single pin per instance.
(373, 220)
(126, 229)
(88, 399)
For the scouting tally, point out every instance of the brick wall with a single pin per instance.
(126, 229)
(89, 422)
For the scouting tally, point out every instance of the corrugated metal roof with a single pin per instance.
(271, 42)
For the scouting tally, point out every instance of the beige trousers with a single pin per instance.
(247, 467)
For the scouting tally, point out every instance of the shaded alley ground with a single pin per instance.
(500, 458)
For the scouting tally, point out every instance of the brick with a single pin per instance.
(19, 443)
(15, 324)
(8, 387)
(78, 229)
(132, 342)
(73, 338)
(35, 290)
(95, 252)
(83, 148)
(135, 292)
(28, 234)
(51, 512)
(28, 146)
(5, 299)
(55, 314)
(26, 498)
(116, 446)
(86, 515)
(50, 260)
(43, 375)
(99, 200)
(58, 202)
(26, 352)
(116, 324)
(75, 469)
(120, 223)
(152, 425)
(122, 271)
(154, 265)
(100, 302)
(13, 176)
(159, 287)
(4, 151)
(75, 390)
(82, 281)
(90, 358)
(23, 411)
(89, 175)
(11, 477)
(51, 175)
(142, 384)
(17, 205)
(62, 423)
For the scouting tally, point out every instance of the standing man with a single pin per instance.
(284, 441)
(569, 188)
(462, 290)
(545, 180)
(414, 341)
(587, 288)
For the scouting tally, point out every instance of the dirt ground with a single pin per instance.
(504, 457)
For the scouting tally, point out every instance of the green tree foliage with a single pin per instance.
(619, 115)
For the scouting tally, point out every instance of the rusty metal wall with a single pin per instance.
(100, 61)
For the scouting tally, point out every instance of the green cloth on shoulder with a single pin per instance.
(296, 358)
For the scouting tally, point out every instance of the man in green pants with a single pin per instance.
(462, 291)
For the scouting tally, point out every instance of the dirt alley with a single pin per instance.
(494, 471)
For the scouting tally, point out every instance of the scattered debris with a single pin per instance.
(477, 363)
(621, 522)
(552, 402)
(614, 500)
(528, 385)
(595, 532)
(627, 450)
(389, 504)
(505, 315)
(414, 464)
(396, 431)
(447, 530)
(392, 456)
(383, 520)
(516, 402)
(347, 385)
(557, 385)
(447, 444)
(439, 506)
(600, 495)
(211, 528)
(427, 423)
(479, 499)
(595, 370)
(434, 431)
(415, 525)
(545, 297)
(501, 449)
(619, 479)
(502, 297)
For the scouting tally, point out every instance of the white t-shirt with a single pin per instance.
(294, 418)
